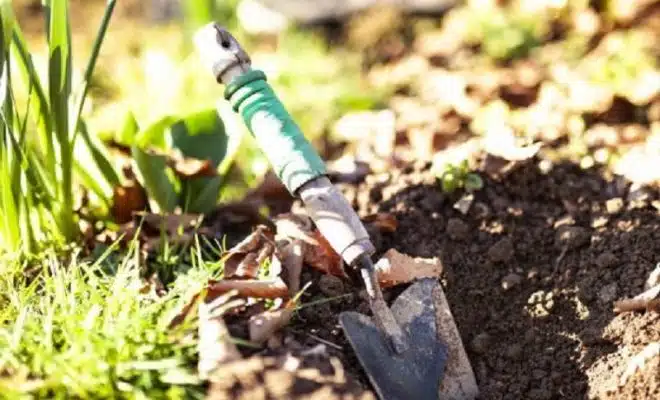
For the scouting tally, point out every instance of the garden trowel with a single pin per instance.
(400, 348)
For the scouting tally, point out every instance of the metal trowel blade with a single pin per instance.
(416, 373)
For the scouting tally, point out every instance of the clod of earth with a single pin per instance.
(572, 237)
(502, 251)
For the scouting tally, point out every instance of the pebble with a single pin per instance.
(511, 280)
(608, 292)
(480, 343)
(331, 285)
(514, 352)
(607, 260)
(502, 251)
(572, 237)
(614, 206)
(457, 229)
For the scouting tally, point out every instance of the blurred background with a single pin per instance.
(391, 81)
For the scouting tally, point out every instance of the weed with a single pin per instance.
(459, 176)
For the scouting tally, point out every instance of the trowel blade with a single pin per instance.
(415, 373)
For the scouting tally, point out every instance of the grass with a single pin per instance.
(95, 329)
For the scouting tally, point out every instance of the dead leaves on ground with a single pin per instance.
(296, 243)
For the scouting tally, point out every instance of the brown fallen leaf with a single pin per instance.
(648, 300)
(292, 262)
(264, 325)
(295, 226)
(385, 222)
(501, 142)
(270, 289)
(244, 259)
(323, 257)
(395, 268)
(188, 168)
(126, 200)
(215, 347)
(249, 267)
(185, 167)
(639, 361)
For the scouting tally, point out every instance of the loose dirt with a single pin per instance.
(530, 272)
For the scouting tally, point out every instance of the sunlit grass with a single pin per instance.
(95, 329)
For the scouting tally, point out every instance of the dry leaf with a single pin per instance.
(188, 168)
(264, 325)
(294, 226)
(385, 222)
(639, 361)
(501, 141)
(215, 346)
(323, 257)
(648, 300)
(185, 167)
(292, 262)
(396, 268)
(244, 259)
(270, 289)
(126, 200)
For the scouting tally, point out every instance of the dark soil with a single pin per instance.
(530, 272)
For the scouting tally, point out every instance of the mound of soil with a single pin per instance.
(531, 272)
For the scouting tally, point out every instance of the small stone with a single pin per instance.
(572, 237)
(514, 352)
(608, 292)
(457, 229)
(614, 206)
(480, 343)
(533, 273)
(540, 394)
(464, 203)
(511, 280)
(653, 279)
(607, 260)
(331, 285)
(539, 374)
(502, 251)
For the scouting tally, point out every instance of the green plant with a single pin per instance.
(96, 329)
(37, 161)
(459, 176)
(199, 136)
(505, 33)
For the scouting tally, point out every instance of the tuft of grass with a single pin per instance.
(95, 329)
(37, 160)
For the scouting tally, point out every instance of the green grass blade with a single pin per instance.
(59, 91)
(102, 162)
(91, 64)
(38, 98)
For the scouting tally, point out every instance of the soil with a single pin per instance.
(530, 272)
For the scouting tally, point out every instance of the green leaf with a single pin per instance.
(473, 182)
(201, 194)
(449, 182)
(154, 134)
(129, 131)
(152, 168)
(202, 136)
(99, 157)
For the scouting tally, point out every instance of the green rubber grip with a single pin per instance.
(293, 158)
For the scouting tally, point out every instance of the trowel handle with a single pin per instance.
(297, 164)
(293, 158)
